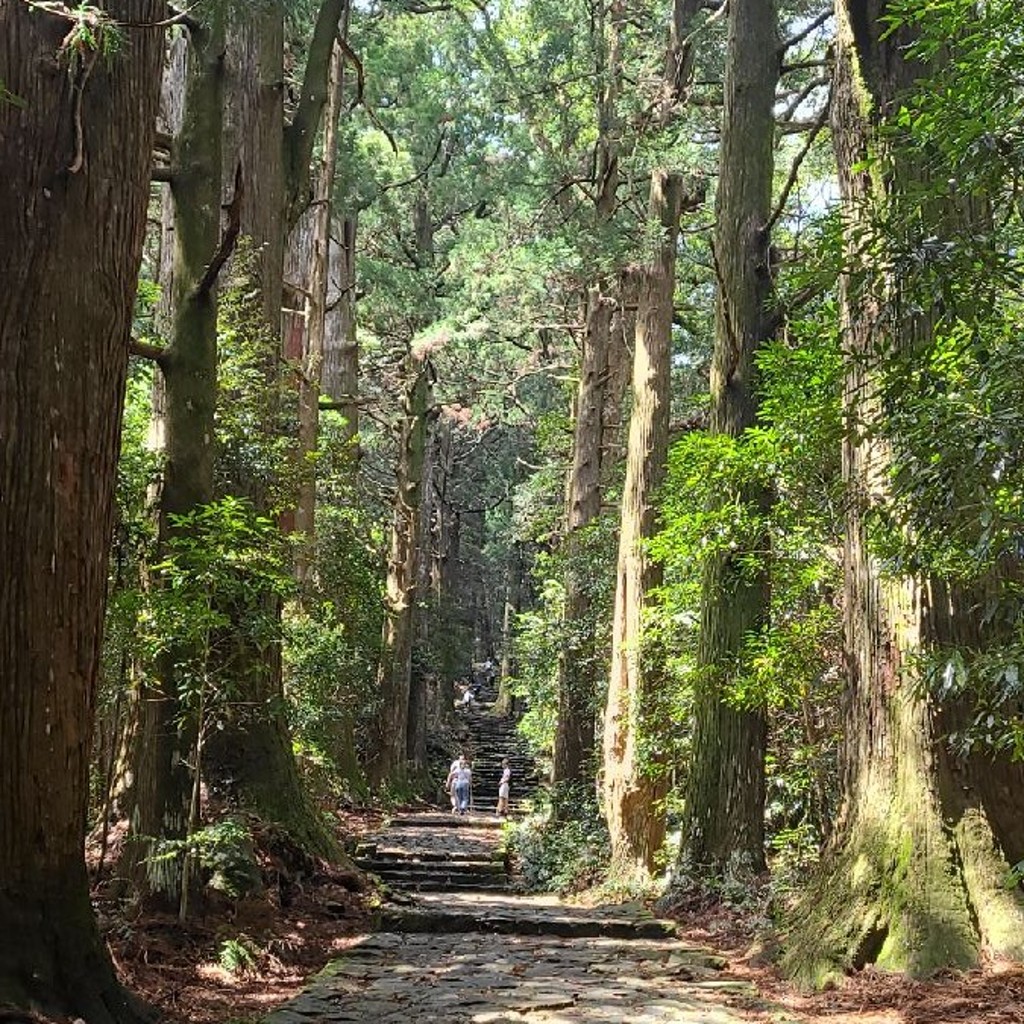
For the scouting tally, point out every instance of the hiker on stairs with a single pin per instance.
(460, 780)
(503, 789)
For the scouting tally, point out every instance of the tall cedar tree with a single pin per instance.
(723, 829)
(77, 129)
(633, 787)
(915, 877)
(164, 741)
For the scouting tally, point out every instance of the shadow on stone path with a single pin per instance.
(497, 957)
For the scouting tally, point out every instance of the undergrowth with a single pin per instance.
(565, 855)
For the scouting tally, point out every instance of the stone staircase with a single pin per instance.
(488, 738)
(437, 852)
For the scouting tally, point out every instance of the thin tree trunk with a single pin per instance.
(75, 166)
(393, 679)
(633, 789)
(162, 781)
(316, 325)
(578, 659)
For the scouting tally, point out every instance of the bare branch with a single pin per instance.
(806, 65)
(800, 36)
(228, 238)
(794, 170)
(801, 95)
(142, 349)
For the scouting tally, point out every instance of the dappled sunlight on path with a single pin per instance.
(482, 953)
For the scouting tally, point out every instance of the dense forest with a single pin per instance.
(659, 358)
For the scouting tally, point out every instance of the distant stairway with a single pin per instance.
(490, 739)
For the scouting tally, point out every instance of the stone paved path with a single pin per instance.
(498, 957)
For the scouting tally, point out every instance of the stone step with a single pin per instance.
(444, 820)
(433, 868)
(372, 851)
(440, 921)
(408, 882)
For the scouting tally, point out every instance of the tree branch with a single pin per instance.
(794, 170)
(142, 349)
(300, 135)
(800, 36)
(353, 59)
(805, 65)
(227, 240)
(422, 173)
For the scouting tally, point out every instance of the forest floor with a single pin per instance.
(307, 924)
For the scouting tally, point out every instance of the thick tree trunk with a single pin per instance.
(75, 164)
(393, 678)
(632, 787)
(723, 829)
(911, 881)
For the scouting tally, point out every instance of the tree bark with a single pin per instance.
(578, 659)
(911, 881)
(316, 328)
(254, 750)
(632, 785)
(162, 780)
(341, 350)
(723, 828)
(393, 679)
(581, 655)
(75, 165)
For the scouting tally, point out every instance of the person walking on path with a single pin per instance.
(503, 789)
(449, 783)
(460, 778)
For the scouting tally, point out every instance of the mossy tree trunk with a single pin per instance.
(75, 165)
(165, 738)
(912, 879)
(633, 787)
(723, 827)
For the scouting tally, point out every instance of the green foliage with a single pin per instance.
(224, 850)
(223, 562)
(255, 419)
(238, 955)
(711, 510)
(567, 855)
(538, 640)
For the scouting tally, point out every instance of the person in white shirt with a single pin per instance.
(460, 778)
(449, 788)
(503, 789)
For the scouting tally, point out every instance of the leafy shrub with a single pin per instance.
(238, 955)
(562, 855)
